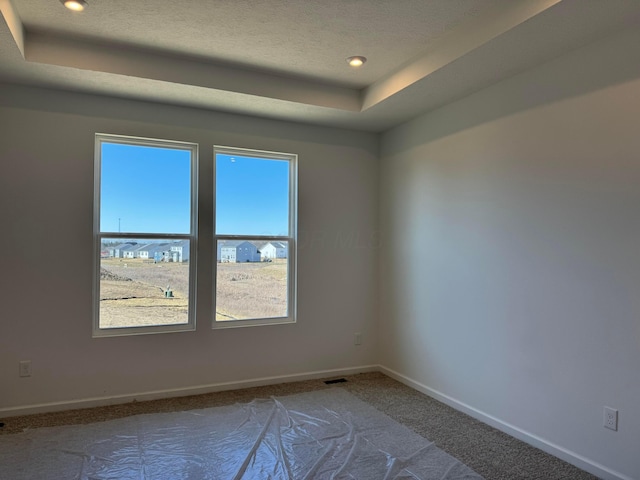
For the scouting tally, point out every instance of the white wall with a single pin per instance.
(510, 271)
(524, 301)
(46, 196)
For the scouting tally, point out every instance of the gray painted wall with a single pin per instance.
(46, 196)
(524, 201)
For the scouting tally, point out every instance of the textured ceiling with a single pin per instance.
(286, 58)
(294, 37)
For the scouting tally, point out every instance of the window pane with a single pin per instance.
(145, 189)
(252, 195)
(252, 279)
(143, 282)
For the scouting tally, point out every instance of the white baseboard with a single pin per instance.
(538, 442)
(180, 392)
(568, 456)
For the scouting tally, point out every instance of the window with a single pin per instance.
(145, 235)
(145, 219)
(255, 237)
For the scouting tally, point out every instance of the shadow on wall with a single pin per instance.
(580, 72)
(88, 104)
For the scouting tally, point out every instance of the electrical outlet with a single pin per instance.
(24, 368)
(610, 418)
(357, 339)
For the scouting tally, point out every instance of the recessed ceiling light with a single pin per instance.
(75, 5)
(356, 61)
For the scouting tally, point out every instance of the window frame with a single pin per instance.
(291, 239)
(98, 235)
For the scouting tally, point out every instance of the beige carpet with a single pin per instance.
(490, 453)
(317, 435)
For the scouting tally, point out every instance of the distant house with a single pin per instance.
(119, 251)
(179, 251)
(136, 252)
(160, 252)
(273, 250)
(219, 250)
(238, 251)
(144, 250)
(153, 251)
(130, 252)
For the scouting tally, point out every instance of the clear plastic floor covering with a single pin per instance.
(329, 434)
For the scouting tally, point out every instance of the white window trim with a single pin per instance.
(192, 236)
(291, 239)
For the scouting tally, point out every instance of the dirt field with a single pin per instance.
(251, 290)
(132, 292)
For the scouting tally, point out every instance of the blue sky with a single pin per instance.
(146, 190)
(252, 196)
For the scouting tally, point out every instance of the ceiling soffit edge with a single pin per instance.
(122, 60)
(463, 39)
(14, 23)
(84, 54)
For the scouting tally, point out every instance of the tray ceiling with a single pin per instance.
(286, 58)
